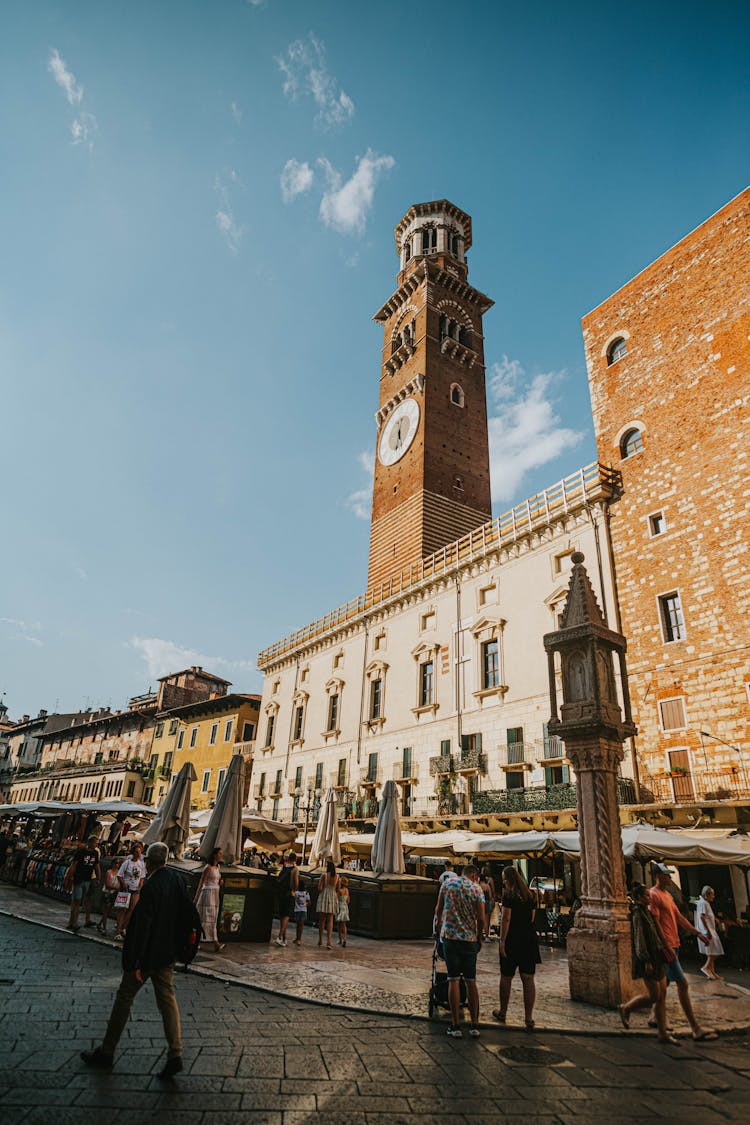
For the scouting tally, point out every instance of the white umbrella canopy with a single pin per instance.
(510, 845)
(171, 826)
(225, 825)
(387, 855)
(325, 843)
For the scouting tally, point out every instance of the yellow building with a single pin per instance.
(206, 734)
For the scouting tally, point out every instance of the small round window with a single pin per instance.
(632, 442)
(616, 350)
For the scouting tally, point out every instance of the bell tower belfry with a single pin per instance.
(432, 472)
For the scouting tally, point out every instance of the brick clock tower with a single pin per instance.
(432, 472)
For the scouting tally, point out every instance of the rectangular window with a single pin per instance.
(131, 789)
(206, 781)
(372, 767)
(341, 773)
(279, 776)
(445, 747)
(228, 728)
(262, 785)
(299, 718)
(672, 713)
(426, 683)
(514, 779)
(214, 734)
(220, 780)
(376, 698)
(672, 621)
(167, 765)
(180, 739)
(159, 730)
(269, 730)
(514, 736)
(319, 776)
(275, 809)
(490, 665)
(173, 725)
(406, 762)
(333, 712)
(153, 761)
(248, 732)
(193, 737)
(148, 794)
(657, 524)
(298, 777)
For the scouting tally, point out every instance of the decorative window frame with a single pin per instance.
(650, 527)
(335, 686)
(299, 699)
(271, 708)
(423, 654)
(620, 334)
(377, 638)
(672, 699)
(376, 670)
(461, 403)
(633, 424)
(483, 630)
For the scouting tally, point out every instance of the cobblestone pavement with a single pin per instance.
(253, 1057)
(393, 977)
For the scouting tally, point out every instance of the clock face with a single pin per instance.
(399, 432)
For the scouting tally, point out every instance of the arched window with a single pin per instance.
(631, 442)
(457, 395)
(464, 337)
(443, 326)
(616, 350)
(429, 239)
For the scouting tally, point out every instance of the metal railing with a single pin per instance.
(537, 798)
(553, 747)
(678, 787)
(593, 482)
(512, 754)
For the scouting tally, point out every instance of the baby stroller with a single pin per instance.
(438, 997)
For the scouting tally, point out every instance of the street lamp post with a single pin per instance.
(306, 809)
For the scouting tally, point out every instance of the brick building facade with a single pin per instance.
(668, 358)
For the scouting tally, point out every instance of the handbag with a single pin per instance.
(122, 902)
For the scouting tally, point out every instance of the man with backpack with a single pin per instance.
(164, 928)
(288, 885)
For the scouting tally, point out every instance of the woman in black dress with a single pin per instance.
(519, 944)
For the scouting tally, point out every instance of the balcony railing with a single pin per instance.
(512, 754)
(442, 764)
(402, 774)
(680, 787)
(541, 797)
(553, 747)
(472, 760)
(244, 748)
(591, 483)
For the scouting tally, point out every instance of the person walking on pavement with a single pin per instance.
(84, 872)
(459, 922)
(447, 873)
(705, 924)
(664, 908)
(131, 874)
(288, 885)
(207, 898)
(342, 910)
(650, 953)
(328, 902)
(519, 944)
(301, 903)
(149, 953)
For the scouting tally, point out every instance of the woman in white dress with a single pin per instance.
(328, 902)
(207, 898)
(705, 923)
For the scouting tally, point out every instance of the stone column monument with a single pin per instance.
(590, 723)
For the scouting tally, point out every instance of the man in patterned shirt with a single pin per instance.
(459, 920)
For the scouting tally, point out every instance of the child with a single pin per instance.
(342, 914)
(301, 902)
(109, 893)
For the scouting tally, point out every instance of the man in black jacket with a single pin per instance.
(149, 952)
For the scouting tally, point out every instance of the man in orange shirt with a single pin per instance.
(664, 908)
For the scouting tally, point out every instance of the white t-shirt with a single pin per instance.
(446, 875)
(132, 872)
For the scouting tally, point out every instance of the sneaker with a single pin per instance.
(473, 1032)
(281, 942)
(171, 1067)
(97, 1058)
(455, 1033)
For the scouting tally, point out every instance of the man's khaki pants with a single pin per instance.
(166, 1002)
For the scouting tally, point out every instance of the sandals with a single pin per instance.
(669, 1041)
(705, 1036)
(624, 1016)
(498, 1016)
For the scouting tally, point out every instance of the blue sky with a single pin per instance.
(197, 210)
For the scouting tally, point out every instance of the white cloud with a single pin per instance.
(345, 206)
(81, 573)
(236, 112)
(296, 179)
(83, 126)
(24, 626)
(64, 78)
(231, 231)
(305, 72)
(360, 501)
(525, 430)
(162, 657)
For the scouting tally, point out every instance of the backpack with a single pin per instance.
(284, 882)
(188, 929)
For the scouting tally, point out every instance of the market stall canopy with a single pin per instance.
(56, 808)
(263, 832)
(512, 845)
(686, 845)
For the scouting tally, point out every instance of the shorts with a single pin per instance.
(524, 960)
(300, 916)
(286, 907)
(108, 897)
(81, 891)
(461, 959)
(675, 971)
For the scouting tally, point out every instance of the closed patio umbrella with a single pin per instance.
(325, 843)
(224, 829)
(171, 825)
(387, 856)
